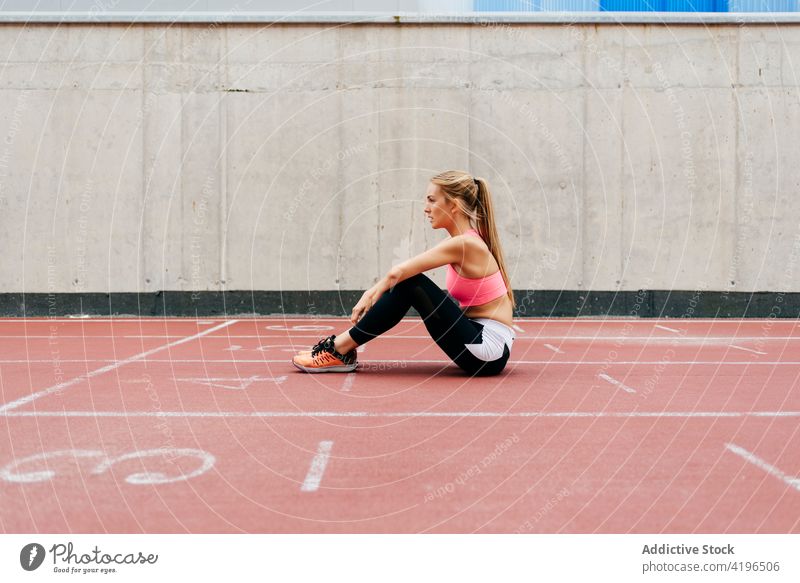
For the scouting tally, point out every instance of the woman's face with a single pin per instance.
(437, 208)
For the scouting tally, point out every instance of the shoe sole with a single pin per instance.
(345, 368)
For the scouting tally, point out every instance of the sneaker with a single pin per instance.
(324, 358)
(316, 347)
(307, 352)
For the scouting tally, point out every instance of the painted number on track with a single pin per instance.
(28, 470)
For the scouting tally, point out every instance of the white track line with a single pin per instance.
(413, 361)
(348, 383)
(615, 382)
(236, 383)
(272, 319)
(317, 469)
(667, 328)
(99, 371)
(491, 414)
(101, 320)
(650, 339)
(554, 349)
(747, 349)
(759, 463)
(249, 379)
(518, 329)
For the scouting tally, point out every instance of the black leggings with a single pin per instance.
(445, 322)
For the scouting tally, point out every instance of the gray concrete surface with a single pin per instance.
(288, 157)
(382, 13)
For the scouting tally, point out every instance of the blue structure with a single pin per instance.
(664, 5)
(637, 5)
(763, 6)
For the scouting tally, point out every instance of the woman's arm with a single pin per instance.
(450, 250)
(372, 295)
(386, 283)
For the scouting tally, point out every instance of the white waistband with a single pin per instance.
(506, 332)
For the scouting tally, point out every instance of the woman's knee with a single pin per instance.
(413, 282)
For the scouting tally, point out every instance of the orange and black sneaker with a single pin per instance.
(324, 358)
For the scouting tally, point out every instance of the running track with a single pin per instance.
(613, 426)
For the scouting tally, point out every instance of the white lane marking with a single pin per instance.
(554, 349)
(345, 319)
(115, 364)
(232, 348)
(414, 361)
(317, 469)
(615, 382)
(667, 328)
(650, 339)
(747, 349)
(361, 348)
(792, 481)
(159, 322)
(236, 383)
(348, 382)
(293, 349)
(518, 329)
(312, 414)
(300, 328)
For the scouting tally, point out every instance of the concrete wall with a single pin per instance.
(209, 157)
(249, 5)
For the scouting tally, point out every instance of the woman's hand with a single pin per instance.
(374, 293)
(365, 303)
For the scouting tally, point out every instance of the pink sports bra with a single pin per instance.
(475, 291)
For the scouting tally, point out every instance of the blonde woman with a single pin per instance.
(477, 333)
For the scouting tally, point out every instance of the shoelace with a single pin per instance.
(326, 348)
(320, 346)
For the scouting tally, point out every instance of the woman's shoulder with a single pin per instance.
(470, 237)
(476, 256)
(471, 244)
(475, 241)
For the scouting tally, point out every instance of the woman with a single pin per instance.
(478, 339)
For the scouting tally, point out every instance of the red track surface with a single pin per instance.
(596, 426)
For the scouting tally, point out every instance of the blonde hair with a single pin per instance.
(474, 199)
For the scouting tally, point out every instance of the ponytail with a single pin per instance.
(488, 230)
(474, 198)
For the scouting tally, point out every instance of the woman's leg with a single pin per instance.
(444, 320)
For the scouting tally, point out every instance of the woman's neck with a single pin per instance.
(459, 229)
